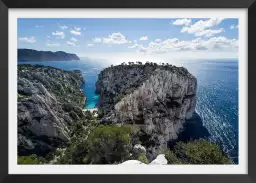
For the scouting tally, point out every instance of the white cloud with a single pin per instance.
(71, 43)
(48, 36)
(39, 26)
(74, 32)
(209, 32)
(90, 45)
(58, 34)
(215, 43)
(234, 27)
(97, 40)
(202, 25)
(115, 38)
(52, 44)
(139, 47)
(135, 41)
(135, 46)
(73, 39)
(77, 28)
(183, 21)
(144, 38)
(158, 40)
(31, 39)
(63, 27)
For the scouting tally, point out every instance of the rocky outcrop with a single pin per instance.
(160, 160)
(26, 55)
(49, 101)
(159, 99)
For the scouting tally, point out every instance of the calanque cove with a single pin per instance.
(146, 115)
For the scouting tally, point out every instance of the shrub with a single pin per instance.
(98, 145)
(197, 152)
(143, 158)
(77, 148)
(171, 157)
(31, 159)
(109, 144)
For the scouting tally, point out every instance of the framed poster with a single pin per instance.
(126, 88)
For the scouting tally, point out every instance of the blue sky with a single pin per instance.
(185, 38)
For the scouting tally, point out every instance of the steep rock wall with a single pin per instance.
(159, 101)
(49, 101)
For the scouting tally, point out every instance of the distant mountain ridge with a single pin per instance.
(26, 55)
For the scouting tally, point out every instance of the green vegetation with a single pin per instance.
(32, 159)
(92, 143)
(21, 97)
(172, 158)
(119, 98)
(109, 144)
(143, 159)
(196, 152)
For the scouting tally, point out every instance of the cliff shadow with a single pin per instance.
(193, 129)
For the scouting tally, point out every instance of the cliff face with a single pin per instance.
(116, 82)
(34, 55)
(49, 101)
(158, 99)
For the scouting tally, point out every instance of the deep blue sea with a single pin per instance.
(217, 102)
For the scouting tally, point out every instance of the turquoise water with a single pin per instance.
(90, 73)
(217, 102)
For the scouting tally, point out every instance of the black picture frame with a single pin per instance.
(6, 4)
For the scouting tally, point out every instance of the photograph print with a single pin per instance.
(127, 91)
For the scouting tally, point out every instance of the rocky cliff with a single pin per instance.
(26, 55)
(49, 101)
(159, 99)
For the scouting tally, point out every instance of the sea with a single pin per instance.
(217, 95)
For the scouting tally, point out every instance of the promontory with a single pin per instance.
(29, 55)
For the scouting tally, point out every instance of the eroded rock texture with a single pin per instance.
(159, 99)
(49, 101)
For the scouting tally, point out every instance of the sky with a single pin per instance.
(128, 39)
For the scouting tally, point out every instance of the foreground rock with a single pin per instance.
(132, 162)
(49, 101)
(26, 55)
(160, 160)
(159, 99)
